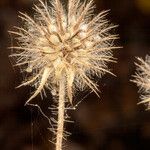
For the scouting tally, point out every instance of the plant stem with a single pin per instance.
(61, 108)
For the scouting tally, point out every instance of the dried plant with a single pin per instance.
(62, 49)
(142, 79)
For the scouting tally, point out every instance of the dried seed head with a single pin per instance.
(67, 42)
(142, 79)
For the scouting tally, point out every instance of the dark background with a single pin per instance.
(113, 122)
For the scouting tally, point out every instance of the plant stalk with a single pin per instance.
(61, 113)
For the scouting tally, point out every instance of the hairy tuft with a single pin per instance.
(64, 41)
(142, 79)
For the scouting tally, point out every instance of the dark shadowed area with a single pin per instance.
(113, 122)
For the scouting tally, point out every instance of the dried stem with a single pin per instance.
(66, 47)
(61, 108)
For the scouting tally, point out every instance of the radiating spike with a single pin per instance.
(44, 78)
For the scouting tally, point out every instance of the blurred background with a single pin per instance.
(113, 122)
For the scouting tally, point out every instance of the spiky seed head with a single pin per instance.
(142, 79)
(64, 41)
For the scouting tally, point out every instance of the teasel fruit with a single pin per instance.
(142, 79)
(61, 49)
